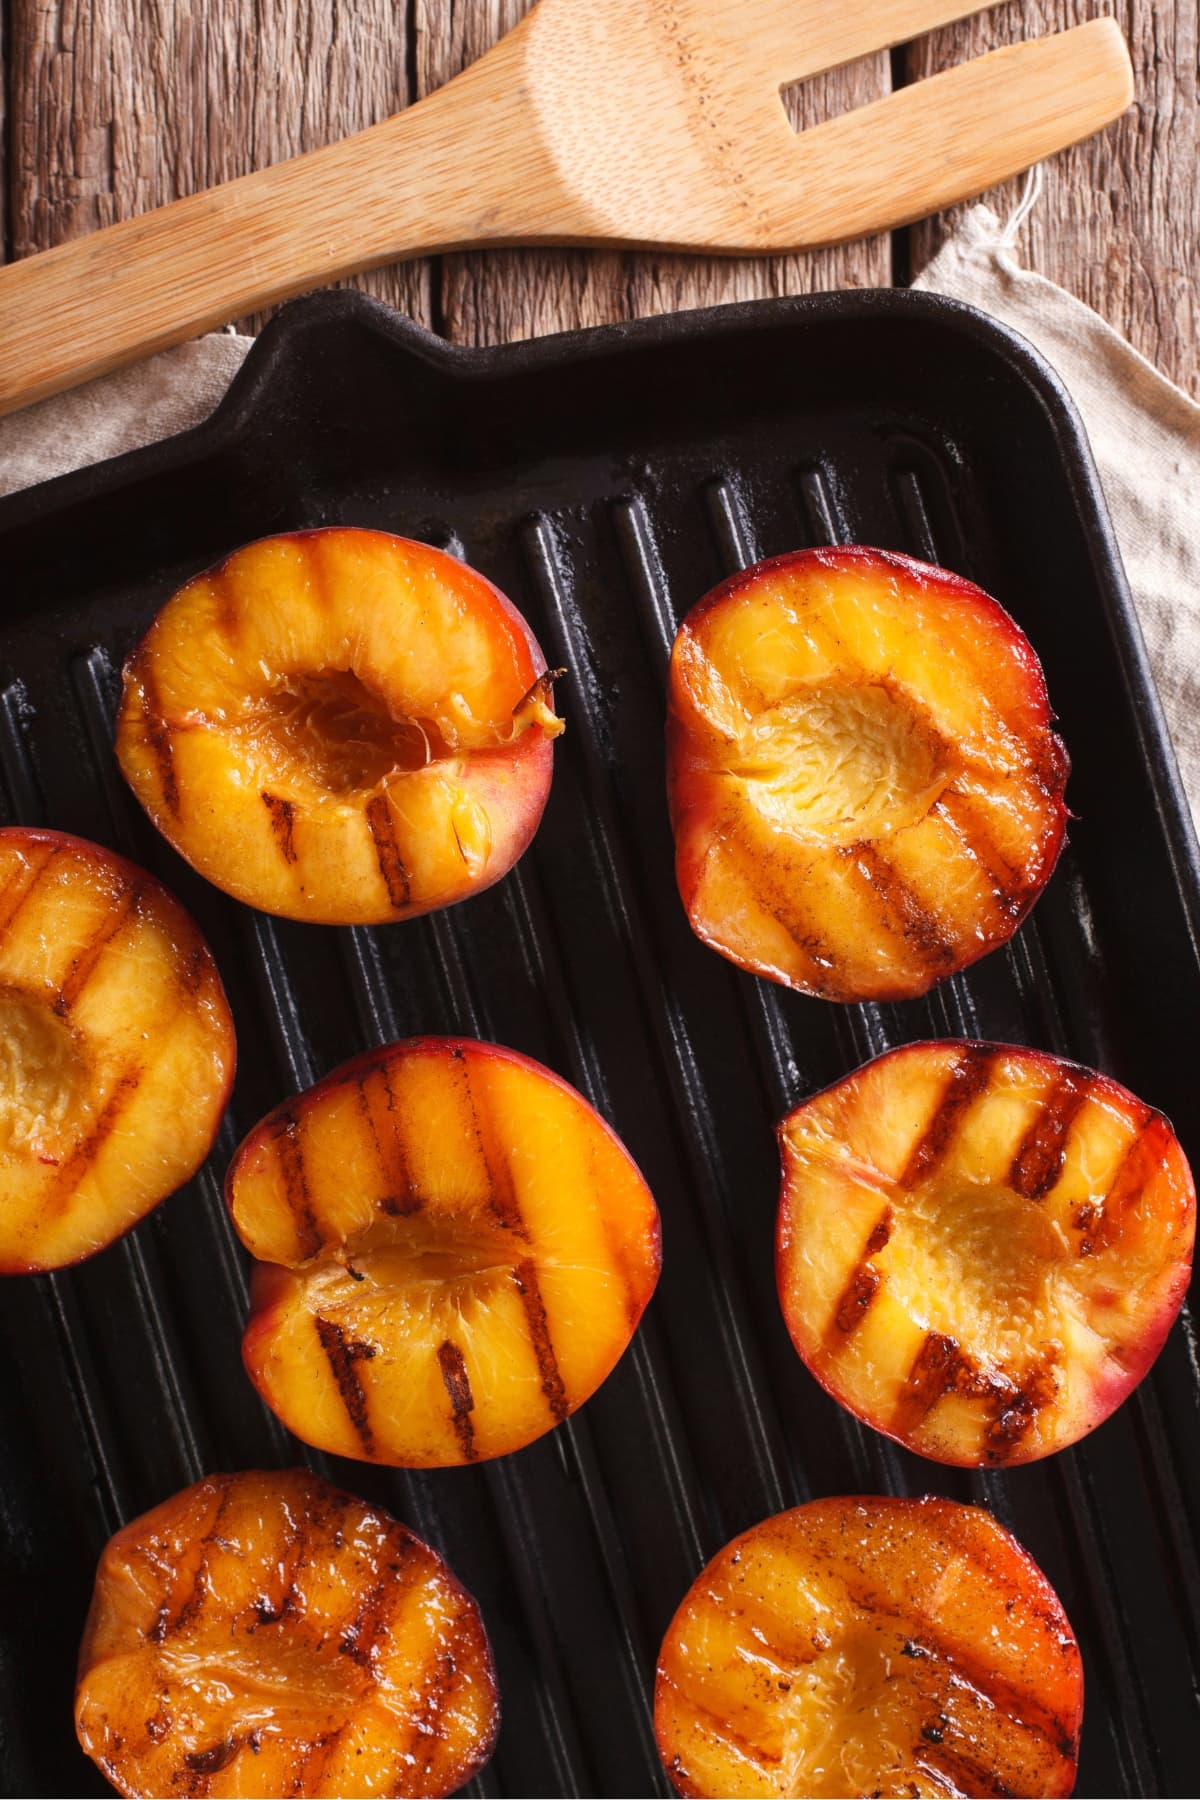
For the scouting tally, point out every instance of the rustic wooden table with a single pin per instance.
(114, 106)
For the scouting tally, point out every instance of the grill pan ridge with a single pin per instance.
(605, 481)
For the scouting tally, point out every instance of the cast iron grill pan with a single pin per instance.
(605, 482)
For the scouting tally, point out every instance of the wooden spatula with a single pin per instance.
(625, 122)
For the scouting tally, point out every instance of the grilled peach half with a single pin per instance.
(981, 1249)
(340, 726)
(116, 1048)
(870, 1646)
(454, 1250)
(265, 1634)
(865, 788)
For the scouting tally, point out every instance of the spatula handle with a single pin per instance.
(446, 172)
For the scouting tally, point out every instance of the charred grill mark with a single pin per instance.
(17, 894)
(923, 931)
(1015, 1415)
(290, 1151)
(966, 1082)
(282, 814)
(387, 1138)
(191, 1603)
(1011, 887)
(525, 1280)
(1038, 1163)
(502, 1197)
(429, 1732)
(1138, 1165)
(453, 1366)
(387, 852)
(963, 1772)
(360, 1639)
(157, 731)
(1010, 1404)
(855, 1302)
(934, 1372)
(208, 1762)
(71, 1172)
(312, 1765)
(784, 906)
(343, 1353)
(126, 905)
(881, 1232)
(973, 1676)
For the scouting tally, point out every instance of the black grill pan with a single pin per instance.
(605, 481)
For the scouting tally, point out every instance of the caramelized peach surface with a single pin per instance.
(980, 1248)
(865, 788)
(340, 726)
(870, 1647)
(267, 1634)
(454, 1252)
(116, 1047)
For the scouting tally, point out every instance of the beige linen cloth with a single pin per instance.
(1145, 434)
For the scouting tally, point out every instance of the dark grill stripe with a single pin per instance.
(966, 1081)
(1144, 1156)
(17, 894)
(157, 731)
(525, 1280)
(387, 852)
(619, 1251)
(1038, 1163)
(502, 1196)
(462, 1402)
(282, 814)
(429, 1731)
(958, 1663)
(378, 1106)
(785, 907)
(936, 1370)
(360, 1638)
(290, 1152)
(854, 1304)
(228, 610)
(71, 1172)
(311, 1766)
(126, 905)
(192, 1603)
(343, 1353)
(925, 934)
(963, 1772)
(1011, 887)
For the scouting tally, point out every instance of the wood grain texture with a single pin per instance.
(121, 105)
(489, 297)
(1118, 222)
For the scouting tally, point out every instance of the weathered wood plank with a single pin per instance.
(1119, 219)
(495, 296)
(120, 105)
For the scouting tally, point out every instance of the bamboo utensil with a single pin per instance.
(619, 122)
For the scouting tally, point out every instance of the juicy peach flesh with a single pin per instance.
(454, 1251)
(266, 1634)
(980, 1248)
(865, 788)
(340, 726)
(870, 1646)
(116, 1048)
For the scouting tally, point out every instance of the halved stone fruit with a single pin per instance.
(454, 1252)
(865, 788)
(981, 1249)
(116, 1048)
(870, 1646)
(266, 1634)
(340, 726)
